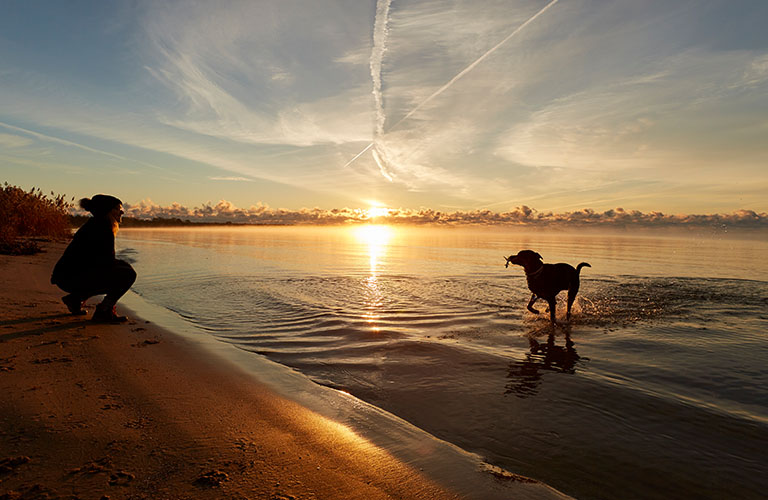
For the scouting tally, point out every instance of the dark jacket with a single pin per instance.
(91, 251)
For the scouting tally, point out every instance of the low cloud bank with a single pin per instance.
(225, 211)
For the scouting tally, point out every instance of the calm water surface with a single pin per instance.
(657, 389)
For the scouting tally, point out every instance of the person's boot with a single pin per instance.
(74, 304)
(107, 314)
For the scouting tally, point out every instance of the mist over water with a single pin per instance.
(657, 388)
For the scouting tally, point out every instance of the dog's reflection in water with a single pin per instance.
(525, 375)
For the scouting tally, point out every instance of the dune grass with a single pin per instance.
(27, 216)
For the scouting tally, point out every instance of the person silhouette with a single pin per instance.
(88, 265)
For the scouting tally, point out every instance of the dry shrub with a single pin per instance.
(25, 215)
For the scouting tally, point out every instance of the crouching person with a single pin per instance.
(88, 266)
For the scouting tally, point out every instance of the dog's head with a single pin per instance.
(525, 258)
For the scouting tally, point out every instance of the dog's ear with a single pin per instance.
(539, 256)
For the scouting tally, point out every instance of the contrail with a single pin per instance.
(381, 162)
(478, 61)
(358, 155)
(458, 76)
(380, 32)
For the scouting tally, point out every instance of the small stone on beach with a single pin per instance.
(212, 478)
(8, 465)
(94, 467)
(121, 478)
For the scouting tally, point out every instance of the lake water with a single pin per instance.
(658, 388)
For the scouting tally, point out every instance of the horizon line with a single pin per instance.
(224, 213)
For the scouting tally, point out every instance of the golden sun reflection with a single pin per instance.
(376, 238)
(373, 302)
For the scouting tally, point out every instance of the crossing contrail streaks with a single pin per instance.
(444, 87)
(358, 155)
(380, 32)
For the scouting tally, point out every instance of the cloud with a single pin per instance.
(416, 162)
(756, 73)
(420, 146)
(63, 142)
(14, 141)
(523, 216)
(669, 114)
(241, 72)
(231, 178)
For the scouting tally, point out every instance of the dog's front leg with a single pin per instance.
(530, 304)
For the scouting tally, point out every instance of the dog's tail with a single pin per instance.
(578, 268)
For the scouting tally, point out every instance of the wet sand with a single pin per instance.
(95, 411)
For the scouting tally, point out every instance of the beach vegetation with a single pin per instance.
(27, 217)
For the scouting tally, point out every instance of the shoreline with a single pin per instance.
(142, 411)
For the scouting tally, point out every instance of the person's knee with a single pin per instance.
(130, 274)
(125, 272)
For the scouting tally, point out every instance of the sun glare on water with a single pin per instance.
(375, 236)
(375, 239)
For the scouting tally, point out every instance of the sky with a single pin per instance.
(481, 106)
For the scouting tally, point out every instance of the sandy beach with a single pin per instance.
(94, 411)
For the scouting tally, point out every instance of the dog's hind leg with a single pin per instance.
(530, 304)
(571, 297)
(552, 305)
(574, 289)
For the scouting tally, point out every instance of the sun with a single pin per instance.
(374, 212)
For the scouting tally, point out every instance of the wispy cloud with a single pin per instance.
(64, 142)
(129, 129)
(230, 178)
(756, 73)
(651, 121)
(238, 77)
(14, 141)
